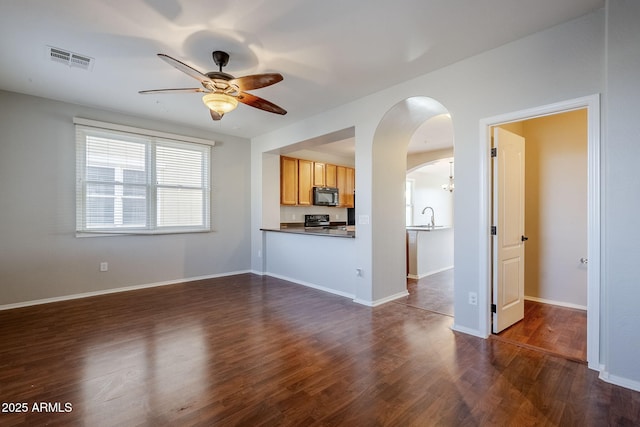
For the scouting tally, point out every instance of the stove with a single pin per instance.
(317, 220)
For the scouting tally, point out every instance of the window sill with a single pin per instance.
(84, 234)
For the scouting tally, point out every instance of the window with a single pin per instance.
(408, 197)
(130, 182)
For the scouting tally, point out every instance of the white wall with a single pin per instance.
(556, 207)
(41, 258)
(564, 62)
(553, 65)
(321, 262)
(621, 200)
(427, 191)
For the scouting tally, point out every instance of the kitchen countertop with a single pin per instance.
(335, 231)
(427, 227)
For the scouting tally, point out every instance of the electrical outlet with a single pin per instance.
(473, 298)
(104, 266)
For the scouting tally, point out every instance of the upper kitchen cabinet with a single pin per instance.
(319, 174)
(345, 178)
(288, 181)
(305, 182)
(351, 188)
(299, 176)
(330, 175)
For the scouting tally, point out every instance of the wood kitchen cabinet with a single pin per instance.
(299, 176)
(288, 181)
(345, 178)
(330, 175)
(319, 174)
(350, 187)
(305, 182)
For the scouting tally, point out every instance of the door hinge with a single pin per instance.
(494, 308)
(494, 230)
(494, 152)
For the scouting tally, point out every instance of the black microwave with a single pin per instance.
(325, 196)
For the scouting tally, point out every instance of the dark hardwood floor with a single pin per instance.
(557, 330)
(250, 351)
(433, 293)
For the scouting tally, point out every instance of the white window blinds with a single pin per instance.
(134, 183)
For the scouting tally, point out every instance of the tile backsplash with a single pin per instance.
(297, 213)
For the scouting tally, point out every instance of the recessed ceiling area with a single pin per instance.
(436, 133)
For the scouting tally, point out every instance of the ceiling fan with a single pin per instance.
(223, 91)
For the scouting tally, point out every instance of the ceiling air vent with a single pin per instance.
(69, 58)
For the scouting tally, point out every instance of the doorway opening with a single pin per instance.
(429, 216)
(548, 310)
(591, 106)
(389, 163)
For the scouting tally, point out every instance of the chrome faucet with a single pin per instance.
(433, 216)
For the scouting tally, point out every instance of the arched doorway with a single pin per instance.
(389, 166)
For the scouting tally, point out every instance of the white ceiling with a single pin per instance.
(329, 52)
(440, 168)
(434, 134)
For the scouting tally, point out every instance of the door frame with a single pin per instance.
(592, 105)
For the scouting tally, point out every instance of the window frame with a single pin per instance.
(151, 140)
(409, 191)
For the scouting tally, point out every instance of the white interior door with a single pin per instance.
(508, 220)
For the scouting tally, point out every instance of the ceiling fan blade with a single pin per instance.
(184, 68)
(263, 104)
(182, 90)
(215, 116)
(256, 81)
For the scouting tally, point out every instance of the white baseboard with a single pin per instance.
(382, 300)
(429, 273)
(116, 290)
(257, 273)
(558, 303)
(311, 285)
(468, 331)
(616, 380)
(340, 293)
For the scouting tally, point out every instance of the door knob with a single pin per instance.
(524, 238)
(584, 260)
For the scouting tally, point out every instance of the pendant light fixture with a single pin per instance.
(449, 186)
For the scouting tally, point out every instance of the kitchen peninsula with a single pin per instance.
(303, 256)
(429, 250)
(318, 225)
(308, 222)
(343, 231)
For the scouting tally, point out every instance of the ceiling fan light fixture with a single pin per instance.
(220, 102)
